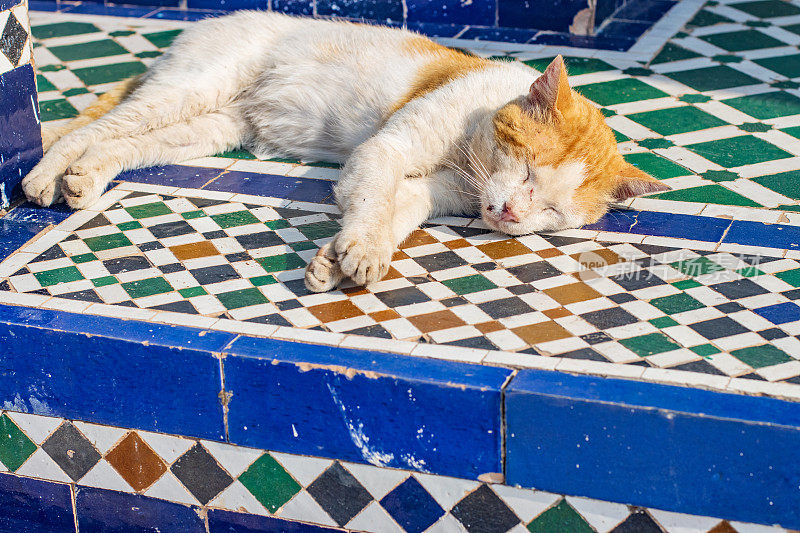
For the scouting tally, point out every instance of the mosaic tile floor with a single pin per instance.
(310, 489)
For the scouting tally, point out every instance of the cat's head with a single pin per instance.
(553, 161)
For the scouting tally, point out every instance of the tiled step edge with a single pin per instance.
(611, 439)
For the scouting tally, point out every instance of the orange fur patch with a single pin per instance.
(444, 66)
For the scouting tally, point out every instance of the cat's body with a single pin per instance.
(422, 130)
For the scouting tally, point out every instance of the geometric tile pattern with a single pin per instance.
(309, 489)
(15, 48)
(710, 313)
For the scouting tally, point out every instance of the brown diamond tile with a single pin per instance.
(548, 253)
(392, 274)
(457, 243)
(399, 255)
(722, 527)
(436, 321)
(488, 327)
(417, 238)
(355, 291)
(571, 293)
(383, 316)
(193, 250)
(556, 313)
(597, 258)
(332, 311)
(501, 249)
(136, 462)
(541, 332)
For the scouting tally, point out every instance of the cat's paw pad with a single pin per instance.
(323, 272)
(81, 189)
(40, 187)
(364, 260)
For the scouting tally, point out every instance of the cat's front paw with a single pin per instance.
(81, 189)
(364, 256)
(323, 272)
(41, 186)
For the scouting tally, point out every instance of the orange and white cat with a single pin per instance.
(422, 131)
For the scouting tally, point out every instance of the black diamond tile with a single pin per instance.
(653, 249)
(596, 338)
(71, 451)
(339, 493)
(730, 307)
(404, 296)
(622, 297)
(440, 261)
(773, 333)
(214, 274)
(375, 330)
(557, 241)
(584, 353)
(97, 222)
(86, 295)
(740, 288)
(418, 280)
(754, 376)
(453, 302)
(793, 294)
(273, 320)
(609, 318)
(150, 246)
(54, 252)
(718, 327)
(254, 241)
(238, 257)
(638, 522)
(293, 213)
(288, 304)
(639, 279)
(521, 289)
(505, 307)
(5, 286)
(700, 366)
(469, 232)
(485, 267)
(126, 264)
(181, 306)
(298, 287)
(534, 271)
(216, 234)
(480, 342)
(200, 474)
(171, 267)
(482, 511)
(171, 229)
(205, 202)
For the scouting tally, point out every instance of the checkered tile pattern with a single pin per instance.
(310, 489)
(453, 284)
(15, 44)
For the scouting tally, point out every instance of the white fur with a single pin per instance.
(315, 90)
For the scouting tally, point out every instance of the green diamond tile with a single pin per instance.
(75, 52)
(76, 91)
(560, 518)
(56, 109)
(62, 29)
(697, 266)
(686, 284)
(147, 287)
(107, 242)
(727, 58)
(794, 28)
(654, 144)
(663, 322)
(620, 137)
(276, 263)
(575, 65)
(704, 350)
(619, 91)
(789, 207)
(707, 194)
(191, 292)
(785, 183)
(676, 303)
(469, 284)
(83, 258)
(55, 67)
(707, 18)
(767, 8)
(303, 245)
(127, 226)
(162, 39)
(650, 344)
(738, 151)
(109, 73)
(270, 483)
(739, 41)
(58, 275)
(153, 209)
(15, 446)
(677, 120)
(719, 175)
(237, 154)
(694, 98)
(260, 281)
(149, 53)
(277, 224)
(766, 105)
(193, 214)
(121, 33)
(237, 218)
(712, 78)
(43, 84)
(792, 277)
(754, 127)
(320, 230)
(793, 131)
(761, 356)
(789, 66)
(749, 272)
(241, 298)
(105, 280)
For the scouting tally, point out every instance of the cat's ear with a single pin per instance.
(633, 182)
(551, 90)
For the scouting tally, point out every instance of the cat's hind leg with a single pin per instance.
(86, 179)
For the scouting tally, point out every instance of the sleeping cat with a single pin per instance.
(422, 131)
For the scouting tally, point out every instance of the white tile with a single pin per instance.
(378, 481)
(682, 523)
(602, 516)
(168, 447)
(302, 468)
(234, 459)
(167, 487)
(374, 518)
(303, 508)
(36, 427)
(103, 476)
(42, 466)
(237, 498)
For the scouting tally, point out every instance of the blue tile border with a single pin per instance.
(286, 187)
(662, 446)
(30, 505)
(220, 521)
(15, 233)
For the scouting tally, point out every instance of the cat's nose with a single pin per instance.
(507, 215)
